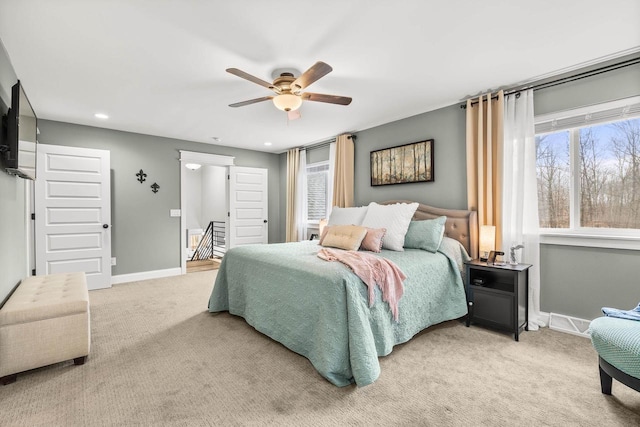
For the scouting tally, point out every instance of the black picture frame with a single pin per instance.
(402, 164)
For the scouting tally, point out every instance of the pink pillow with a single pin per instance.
(373, 240)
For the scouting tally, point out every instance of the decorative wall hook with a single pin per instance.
(155, 187)
(141, 176)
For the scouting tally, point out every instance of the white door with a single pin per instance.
(248, 206)
(73, 213)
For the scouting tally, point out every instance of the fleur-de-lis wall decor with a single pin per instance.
(141, 176)
(155, 187)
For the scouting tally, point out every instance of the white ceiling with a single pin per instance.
(158, 66)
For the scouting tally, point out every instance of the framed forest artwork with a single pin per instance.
(404, 163)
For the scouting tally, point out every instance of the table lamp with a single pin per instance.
(487, 240)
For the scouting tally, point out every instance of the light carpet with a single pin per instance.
(159, 358)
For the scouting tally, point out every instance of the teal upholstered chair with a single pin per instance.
(617, 342)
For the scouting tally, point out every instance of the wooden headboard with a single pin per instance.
(461, 225)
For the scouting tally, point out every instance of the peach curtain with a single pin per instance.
(484, 160)
(293, 165)
(343, 172)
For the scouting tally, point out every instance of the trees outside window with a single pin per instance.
(554, 179)
(603, 190)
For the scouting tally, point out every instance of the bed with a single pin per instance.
(320, 309)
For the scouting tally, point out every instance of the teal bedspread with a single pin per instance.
(319, 309)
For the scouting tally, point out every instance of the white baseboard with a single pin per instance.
(544, 317)
(145, 275)
(567, 324)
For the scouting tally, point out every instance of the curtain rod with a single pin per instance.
(325, 143)
(563, 80)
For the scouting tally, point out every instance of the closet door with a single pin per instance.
(73, 213)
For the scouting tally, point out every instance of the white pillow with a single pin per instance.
(347, 216)
(395, 218)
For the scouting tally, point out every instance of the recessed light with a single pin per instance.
(267, 144)
(101, 116)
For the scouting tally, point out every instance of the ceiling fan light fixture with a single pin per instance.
(287, 102)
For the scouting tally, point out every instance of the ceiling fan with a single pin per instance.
(288, 88)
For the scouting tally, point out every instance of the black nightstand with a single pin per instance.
(498, 295)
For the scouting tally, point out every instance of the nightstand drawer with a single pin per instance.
(493, 306)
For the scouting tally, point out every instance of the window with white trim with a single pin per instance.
(588, 170)
(317, 191)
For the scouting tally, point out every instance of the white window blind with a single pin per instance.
(317, 183)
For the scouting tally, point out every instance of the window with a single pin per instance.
(317, 191)
(588, 170)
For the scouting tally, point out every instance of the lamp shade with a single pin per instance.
(487, 240)
(287, 102)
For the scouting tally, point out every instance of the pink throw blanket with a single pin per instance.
(373, 270)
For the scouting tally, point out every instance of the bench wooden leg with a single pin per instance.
(605, 381)
(8, 379)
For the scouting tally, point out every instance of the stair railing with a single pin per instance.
(212, 243)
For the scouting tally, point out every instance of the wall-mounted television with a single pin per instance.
(19, 136)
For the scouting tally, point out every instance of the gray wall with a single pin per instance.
(579, 281)
(320, 154)
(446, 127)
(575, 281)
(214, 191)
(13, 250)
(144, 236)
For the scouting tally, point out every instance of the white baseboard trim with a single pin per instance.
(567, 324)
(145, 275)
(544, 317)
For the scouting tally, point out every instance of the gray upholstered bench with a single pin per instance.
(617, 342)
(45, 321)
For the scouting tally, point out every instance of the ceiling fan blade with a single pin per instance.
(317, 70)
(251, 78)
(331, 99)
(251, 101)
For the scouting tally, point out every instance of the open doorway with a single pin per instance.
(204, 210)
(206, 214)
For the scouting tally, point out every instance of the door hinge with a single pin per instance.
(229, 214)
(33, 216)
(33, 272)
(228, 176)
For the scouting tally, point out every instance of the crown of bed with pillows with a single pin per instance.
(376, 226)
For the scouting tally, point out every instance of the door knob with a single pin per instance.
(105, 225)
(265, 221)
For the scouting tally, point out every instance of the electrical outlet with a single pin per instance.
(113, 260)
